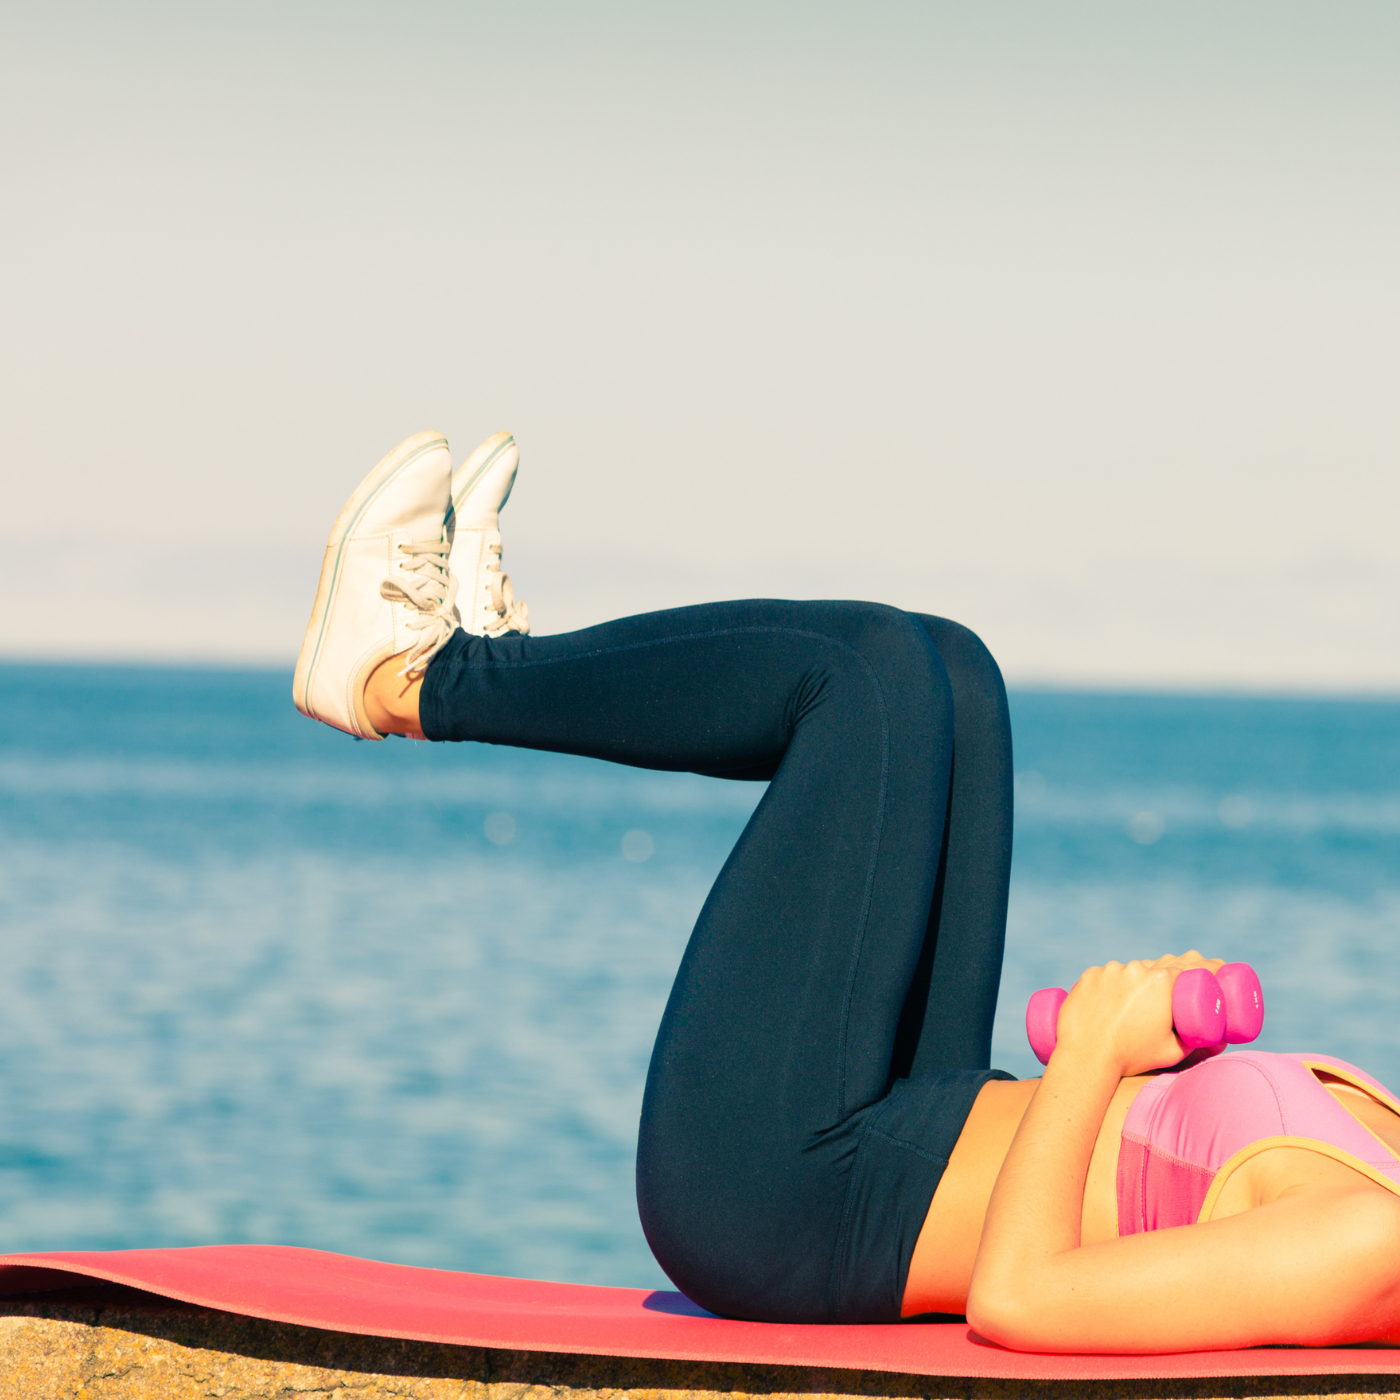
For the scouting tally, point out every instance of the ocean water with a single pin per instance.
(262, 983)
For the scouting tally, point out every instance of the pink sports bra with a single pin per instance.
(1186, 1133)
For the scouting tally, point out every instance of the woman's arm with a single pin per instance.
(1318, 1266)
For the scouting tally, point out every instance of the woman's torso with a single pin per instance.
(1190, 1120)
(1188, 1137)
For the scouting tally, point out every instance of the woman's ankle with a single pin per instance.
(391, 699)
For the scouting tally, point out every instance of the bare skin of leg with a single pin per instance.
(391, 700)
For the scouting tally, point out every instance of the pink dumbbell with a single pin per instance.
(1207, 1010)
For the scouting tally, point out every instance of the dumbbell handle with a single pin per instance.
(1207, 1010)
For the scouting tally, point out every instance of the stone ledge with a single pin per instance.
(104, 1342)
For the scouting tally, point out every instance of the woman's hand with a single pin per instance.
(1117, 1021)
(1121, 1014)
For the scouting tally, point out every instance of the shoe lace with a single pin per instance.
(424, 582)
(510, 614)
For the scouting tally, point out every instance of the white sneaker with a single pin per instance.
(480, 487)
(385, 586)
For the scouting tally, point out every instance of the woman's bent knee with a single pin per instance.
(971, 667)
(901, 652)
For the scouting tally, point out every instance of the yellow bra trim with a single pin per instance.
(1347, 1078)
(1325, 1149)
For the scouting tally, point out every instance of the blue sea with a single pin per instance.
(266, 984)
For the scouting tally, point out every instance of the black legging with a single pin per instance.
(831, 1021)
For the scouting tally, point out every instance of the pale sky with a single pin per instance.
(1077, 322)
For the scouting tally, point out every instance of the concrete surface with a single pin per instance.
(103, 1342)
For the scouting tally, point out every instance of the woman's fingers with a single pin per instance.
(1190, 958)
(1195, 959)
(1178, 962)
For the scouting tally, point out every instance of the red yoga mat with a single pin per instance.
(339, 1293)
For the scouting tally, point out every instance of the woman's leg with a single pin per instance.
(779, 1175)
(947, 1021)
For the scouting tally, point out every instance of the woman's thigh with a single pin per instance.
(774, 1055)
(947, 1021)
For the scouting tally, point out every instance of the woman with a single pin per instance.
(821, 1137)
